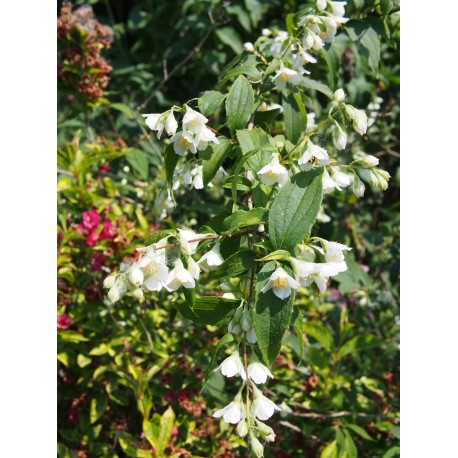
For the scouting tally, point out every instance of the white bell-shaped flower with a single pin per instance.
(135, 274)
(313, 154)
(171, 124)
(333, 251)
(179, 276)
(233, 412)
(184, 236)
(273, 172)
(232, 366)
(262, 407)
(281, 283)
(212, 259)
(193, 121)
(118, 289)
(182, 142)
(257, 372)
(155, 121)
(286, 76)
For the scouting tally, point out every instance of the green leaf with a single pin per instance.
(330, 451)
(208, 310)
(242, 218)
(248, 69)
(317, 86)
(360, 431)
(272, 315)
(165, 430)
(295, 117)
(393, 452)
(83, 361)
(123, 108)
(125, 441)
(139, 162)
(230, 37)
(297, 320)
(319, 333)
(290, 23)
(158, 235)
(72, 336)
(350, 446)
(359, 343)
(295, 209)
(278, 255)
(370, 42)
(236, 264)
(331, 56)
(98, 407)
(170, 161)
(239, 104)
(251, 139)
(218, 155)
(210, 101)
(227, 338)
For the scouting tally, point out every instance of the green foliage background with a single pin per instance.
(130, 375)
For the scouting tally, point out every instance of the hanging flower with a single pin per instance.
(273, 172)
(281, 284)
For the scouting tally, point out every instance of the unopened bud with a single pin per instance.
(358, 186)
(339, 96)
(248, 47)
(242, 428)
(138, 294)
(370, 161)
(251, 336)
(256, 447)
(266, 32)
(109, 281)
(320, 5)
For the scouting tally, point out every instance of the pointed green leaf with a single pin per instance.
(317, 330)
(170, 161)
(208, 310)
(210, 101)
(98, 407)
(239, 104)
(295, 209)
(165, 429)
(359, 343)
(218, 154)
(236, 264)
(295, 117)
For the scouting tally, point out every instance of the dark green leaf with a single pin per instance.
(212, 165)
(210, 101)
(170, 161)
(230, 37)
(296, 323)
(156, 236)
(236, 264)
(295, 209)
(360, 431)
(98, 407)
(295, 117)
(208, 310)
(319, 333)
(272, 315)
(317, 86)
(242, 218)
(359, 343)
(239, 104)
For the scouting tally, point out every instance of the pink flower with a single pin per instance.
(175, 431)
(91, 220)
(63, 322)
(97, 262)
(92, 238)
(108, 231)
(364, 267)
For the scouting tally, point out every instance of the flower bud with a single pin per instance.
(382, 176)
(251, 336)
(136, 276)
(370, 161)
(373, 179)
(238, 314)
(358, 186)
(109, 281)
(171, 124)
(138, 294)
(256, 447)
(261, 228)
(266, 32)
(246, 321)
(339, 96)
(267, 432)
(321, 5)
(242, 428)
(248, 46)
(339, 138)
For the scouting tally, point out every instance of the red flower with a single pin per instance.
(92, 238)
(91, 220)
(97, 262)
(63, 322)
(108, 231)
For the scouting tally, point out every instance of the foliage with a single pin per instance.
(131, 373)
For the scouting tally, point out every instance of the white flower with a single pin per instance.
(341, 179)
(339, 138)
(171, 124)
(135, 275)
(117, 290)
(313, 154)
(266, 32)
(232, 366)
(270, 107)
(155, 121)
(194, 177)
(339, 96)
(328, 183)
(382, 177)
(312, 41)
(233, 412)
(281, 283)
(358, 119)
(248, 47)
(184, 236)
(370, 161)
(358, 186)
(273, 172)
(287, 75)
(179, 276)
(193, 121)
(262, 407)
(322, 217)
(338, 10)
(304, 58)
(257, 372)
(109, 281)
(333, 251)
(155, 271)
(205, 136)
(213, 258)
(193, 268)
(309, 272)
(321, 4)
(183, 141)
(275, 49)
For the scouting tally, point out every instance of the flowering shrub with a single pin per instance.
(271, 156)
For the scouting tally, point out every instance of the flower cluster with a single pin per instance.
(81, 40)
(194, 136)
(151, 271)
(91, 230)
